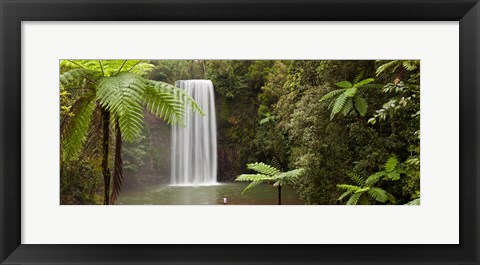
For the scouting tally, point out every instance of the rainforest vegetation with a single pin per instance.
(336, 131)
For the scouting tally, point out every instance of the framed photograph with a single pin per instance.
(239, 132)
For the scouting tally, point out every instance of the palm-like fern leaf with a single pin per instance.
(357, 179)
(74, 129)
(180, 94)
(338, 105)
(251, 185)
(348, 107)
(354, 199)
(288, 177)
(374, 178)
(378, 194)
(344, 84)
(391, 164)
(361, 105)
(164, 105)
(352, 188)
(414, 202)
(76, 78)
(364, 82)
(332, 94)
(122, 95)
(263, 169)
(385, 66)
(253, 177)
(348, 192)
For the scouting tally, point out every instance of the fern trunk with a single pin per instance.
(279, 195)
(105, 140)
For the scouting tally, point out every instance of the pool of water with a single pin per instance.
(263, 194)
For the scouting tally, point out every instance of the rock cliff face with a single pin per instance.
(228, 166)
(150, 155)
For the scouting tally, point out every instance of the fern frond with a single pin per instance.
(332, 94)
(361, 105)
(393, 176)
(374, 178)
(253, 177)
(263, 168)
(391, 198)
(357, 179)
(122, 95)
(351, 92)
(179, 93)
(344, 84)
(251, 185)
(76, 78)
(361, 190)
(364, 82)
(414, 202)
(338, 105)
(165, 105)
(288, 177)
(352, 188)
(348, 192)
(348, 106)
(410, 65)
(378, 194)
(358, 77)
(391, 164)
(74, 128)
(354, 199)
(384, 67)
(142, 68)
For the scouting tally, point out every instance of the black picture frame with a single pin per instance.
(13, 12)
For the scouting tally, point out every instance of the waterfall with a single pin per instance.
(194, 147)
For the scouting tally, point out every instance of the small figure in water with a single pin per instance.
(225, 200)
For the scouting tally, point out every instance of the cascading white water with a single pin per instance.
(194, 147)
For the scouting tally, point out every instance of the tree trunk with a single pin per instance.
(279, 195)
(105, 169)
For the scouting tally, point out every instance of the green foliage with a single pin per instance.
(392, 170)
(75, 126)
(348, 97)
(268, 174)
(79, 182)
(119, 88)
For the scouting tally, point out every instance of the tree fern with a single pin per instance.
(269, 174)
(119, 88)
